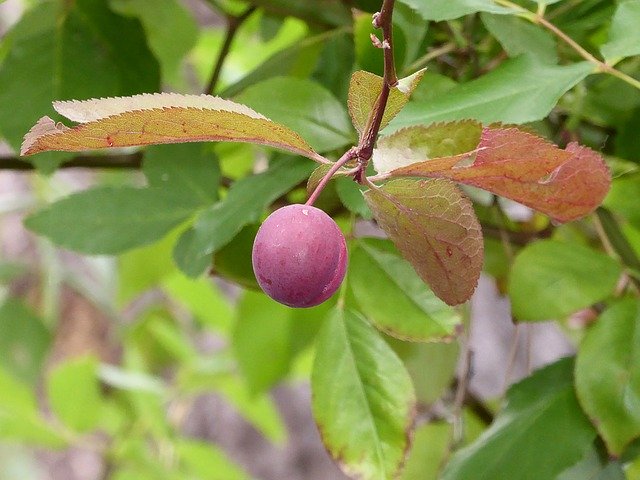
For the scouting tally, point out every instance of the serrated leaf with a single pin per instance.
(434, 227)
(74, 393)
(158, 118)
(303, 105)
(394, 298)
(246, 200)
(541, 422)
(364, 90)
(520, 90)
(624, 35)
(550, 279)
(439, 10)
(608, 375)
(109, 220)
(415, 144)
(362, 398)
(564, 184)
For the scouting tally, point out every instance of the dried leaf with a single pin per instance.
(159, 118)
(564, 184)
(434, 227)
(363, 93)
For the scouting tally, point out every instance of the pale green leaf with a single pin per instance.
(436, 230)
(551, 279)
(74, 393)
(540, 432)
(394, 298)
(429, 450)
(24, 341)
(207, 461)
(364, 90)
(362, 400)
(608, 375)
(518, 91)
(109, 220)
(624, 35)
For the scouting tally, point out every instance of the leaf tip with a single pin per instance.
(44, 126)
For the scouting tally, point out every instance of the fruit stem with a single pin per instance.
(347, 157)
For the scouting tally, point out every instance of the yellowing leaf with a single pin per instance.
(564, 184)
(159, 118)
(434, 227)
(363, 93)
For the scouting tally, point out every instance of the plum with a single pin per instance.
(299, 256)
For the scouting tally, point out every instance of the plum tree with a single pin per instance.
(299, 256)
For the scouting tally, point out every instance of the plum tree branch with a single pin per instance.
(233, 24)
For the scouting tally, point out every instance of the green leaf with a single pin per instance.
(203, 299)
(439, 10)
(261, 340)
(541, 422)
(335, 64)
(622, 189)
(324, 12)
(364, 90)
(608, 376)
(19, 417)
(109, 220)
(624, 36)
(246, 200)
(74, 393)
(394, 298)
(362, 398)
(73, 50)
(304, 106)
(592, 467)
(190, 170)
(170, 29)
(434, 227)
(233, 261)
(24, 342)
(518, 91)
(551, 279)
(207, 461)
(429, 451)
(519, 36)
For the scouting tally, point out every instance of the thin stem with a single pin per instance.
(568, 40)
(433, 54)
(348, 156)
(614, 239)
(233, 24)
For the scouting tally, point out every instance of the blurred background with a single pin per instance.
(121, 367)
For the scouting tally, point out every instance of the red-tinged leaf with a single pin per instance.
(363, 93)
(564, 184)
(434, 227)
(159, 118)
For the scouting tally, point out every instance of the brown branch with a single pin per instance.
(384, 21)
(233, 24)
(122, 161)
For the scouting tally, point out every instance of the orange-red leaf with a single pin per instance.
(159, 118)
(564, 184)
(435, 228)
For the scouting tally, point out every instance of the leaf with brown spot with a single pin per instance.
(564, 184)
(364, 89)
(159, 118)
(435, 228)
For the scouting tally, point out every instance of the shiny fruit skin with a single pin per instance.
(299, 256)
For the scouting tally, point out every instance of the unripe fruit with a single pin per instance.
(299, 256)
